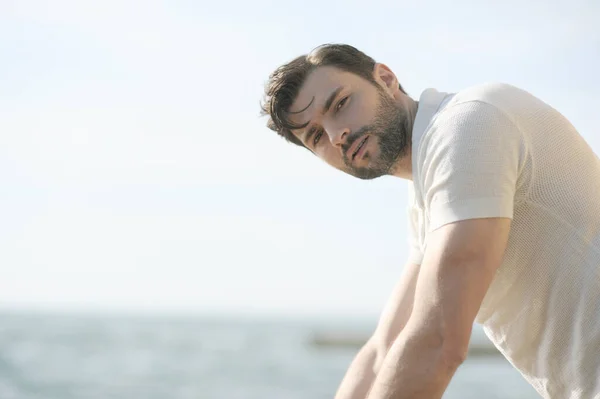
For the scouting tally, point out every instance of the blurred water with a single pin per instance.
(53, 356)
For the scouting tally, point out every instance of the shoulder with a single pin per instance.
(494, 94)
(496, 100)
(478, 114)
(482, 110)
(474, 130)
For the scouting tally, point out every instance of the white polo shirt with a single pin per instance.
(497, 151)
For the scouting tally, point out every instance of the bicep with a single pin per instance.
(458, 267)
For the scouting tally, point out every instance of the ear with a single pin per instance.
(386, 78)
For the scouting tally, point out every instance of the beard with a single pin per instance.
(391, 127)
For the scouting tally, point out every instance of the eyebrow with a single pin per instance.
(325, 109)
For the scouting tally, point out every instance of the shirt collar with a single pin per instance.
(430, 103)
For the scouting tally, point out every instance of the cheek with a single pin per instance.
(358, 115)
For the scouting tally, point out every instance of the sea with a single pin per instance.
(46, 355)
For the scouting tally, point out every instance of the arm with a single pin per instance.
(365, 366)
(458, 268)
(360, 374)
(470, 166)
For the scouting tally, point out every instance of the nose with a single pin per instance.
(338, 136)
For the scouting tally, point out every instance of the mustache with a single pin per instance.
(354, 136)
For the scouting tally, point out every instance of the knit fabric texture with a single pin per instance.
(497, 151)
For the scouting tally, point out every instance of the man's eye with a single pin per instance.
(317, 138)
(341, 104)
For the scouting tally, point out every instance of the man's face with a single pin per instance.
(354, 125)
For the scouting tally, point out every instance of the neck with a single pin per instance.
(403, 167)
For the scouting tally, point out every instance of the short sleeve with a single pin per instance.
(471, 161)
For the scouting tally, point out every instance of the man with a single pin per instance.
(504, 211)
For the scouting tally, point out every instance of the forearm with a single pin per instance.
(360, 375)
(416, 367)
(396, 312)
(458, 267)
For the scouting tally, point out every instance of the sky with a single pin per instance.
(136, 173)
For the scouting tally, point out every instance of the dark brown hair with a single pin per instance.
(285, 82)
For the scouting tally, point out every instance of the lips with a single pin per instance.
(359, 147)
